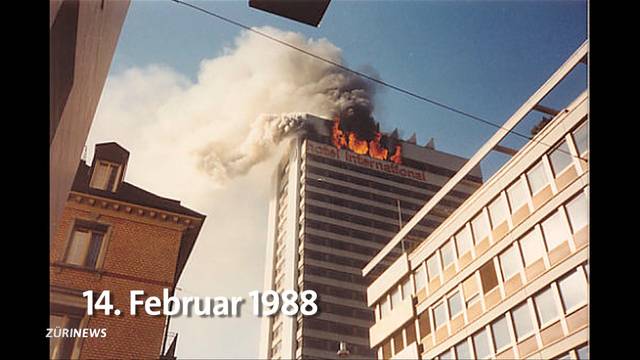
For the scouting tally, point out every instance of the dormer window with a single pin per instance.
(105, 176)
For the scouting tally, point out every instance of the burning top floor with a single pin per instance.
(381, 147)
(361, 139)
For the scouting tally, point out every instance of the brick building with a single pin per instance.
(118, 237)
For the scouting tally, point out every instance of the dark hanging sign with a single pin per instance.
(309, 12)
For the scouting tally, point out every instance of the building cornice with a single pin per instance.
(143, 212)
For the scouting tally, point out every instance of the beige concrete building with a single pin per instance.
(505, 276)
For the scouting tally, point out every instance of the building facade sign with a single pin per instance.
(331, 152)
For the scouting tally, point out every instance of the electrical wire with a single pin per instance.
(371, 78)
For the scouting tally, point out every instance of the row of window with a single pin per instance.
(333, 274)
(544, 237)
(497, 213)
(346, 231)
(336, 259)
(412, 205)
(279, 246)
(386, 176)
(527, 250)
(401, 339)
(367, 208)
(394, 298)
(329, 290)
(416, 191)
(361, 220)
(524, 252)
(339, 244)
(347, 311)
(546, 307)
(334, 327)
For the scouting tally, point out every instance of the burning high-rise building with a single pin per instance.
(339, 195)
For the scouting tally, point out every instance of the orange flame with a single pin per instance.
(356, 145)
(337, 135)
(397, 156)
(373, 148)
(376, 150)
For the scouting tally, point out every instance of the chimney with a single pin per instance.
(108, 166)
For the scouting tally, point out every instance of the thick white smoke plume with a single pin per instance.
(269, 78)
(225, 161)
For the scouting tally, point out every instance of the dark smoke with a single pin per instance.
(358, 119)
(356, 106)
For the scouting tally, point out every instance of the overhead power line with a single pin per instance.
(368, 77)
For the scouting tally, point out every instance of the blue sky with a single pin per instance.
(485, 58)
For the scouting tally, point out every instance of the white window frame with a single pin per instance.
(482, 214)
(96, 168)
(452, 245)
(515, 246)
(543, 324)
(566, 206)
(470, 348)
(446, 314)
(580, 273)
(465, 228)
(540, 163)
(532, 319)
(434, 257)
(523, 184)
(498, 199)
(488, 342)
(572, 132)
(479, 296)
(536, 231)
(564, 223)
(570, 154)
(456, 293)
(421, 268)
